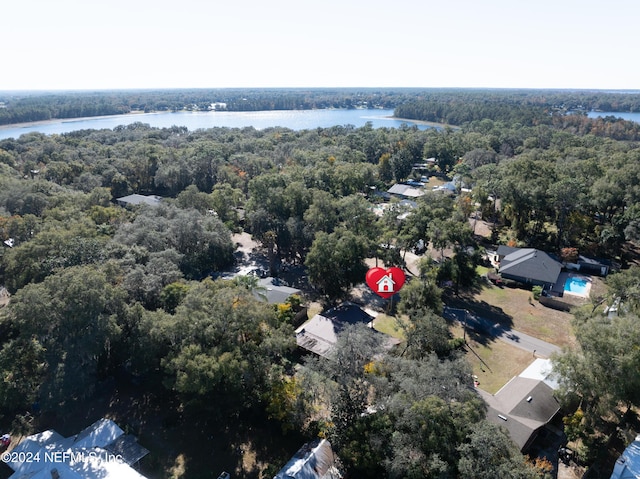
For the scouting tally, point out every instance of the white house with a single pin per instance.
(386, 284)
(101, 451)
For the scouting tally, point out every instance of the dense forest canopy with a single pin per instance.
(103, 293)
(19, 107)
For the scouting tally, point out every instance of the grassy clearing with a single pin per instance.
(482, 270)
(494, 362)
(389, 325)
(435, 181)
(525, 314)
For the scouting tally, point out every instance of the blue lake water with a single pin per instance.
(293, 119)
(619, 114)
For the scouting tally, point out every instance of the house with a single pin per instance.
(137, 200)
(628, 465)
(319, 334)
(386, 284)
(314, 460)
(101, 451)
(541, 370)
(525, 405)
(405, 192)
(528, 266)
(448, 188)
(273, 291)
(503, 251)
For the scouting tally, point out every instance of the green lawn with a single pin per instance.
(482, 270)
(493, 362)
(515, 307)
(389, 325)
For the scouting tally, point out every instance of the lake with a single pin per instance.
(293, 119)
(619, 114)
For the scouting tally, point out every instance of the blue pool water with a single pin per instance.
(576, 285)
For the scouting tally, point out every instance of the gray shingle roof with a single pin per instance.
(406, 191)
(527, 404)
(273, 291)
(531, 264)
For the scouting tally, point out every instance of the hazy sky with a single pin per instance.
(84, 44)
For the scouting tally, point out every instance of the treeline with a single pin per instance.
(457, 112)
(34, 106)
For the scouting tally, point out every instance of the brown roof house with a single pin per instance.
(525, 405)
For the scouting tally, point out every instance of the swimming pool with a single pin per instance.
(577, 285)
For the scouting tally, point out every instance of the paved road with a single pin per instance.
(498, 331)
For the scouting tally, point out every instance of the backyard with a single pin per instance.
(514, 308)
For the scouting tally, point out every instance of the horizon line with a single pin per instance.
(298, 88)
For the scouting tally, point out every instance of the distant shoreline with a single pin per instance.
(428, 123)
(140, 112)
(63, 120)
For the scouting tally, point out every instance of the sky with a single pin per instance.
(124, 44)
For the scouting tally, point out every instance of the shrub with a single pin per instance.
(537, 292)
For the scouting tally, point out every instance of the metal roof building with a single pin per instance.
(136, 200)
(314, 460)
(101, 451)
(628, 465)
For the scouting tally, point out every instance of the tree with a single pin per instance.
(322, 215)
(426, 333)
(203, 241)
(220, 338)
(71, 321)
(602, 372)
(172, 295)
(420, 295)
(336, 262)
(489, 453)
(348, 373)
(356, 216)
(385, 170)
(224, 201)
(625, 285)
(51, 249)
(22, 366)
(191, 197)
(401, 163)
(442, 146)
